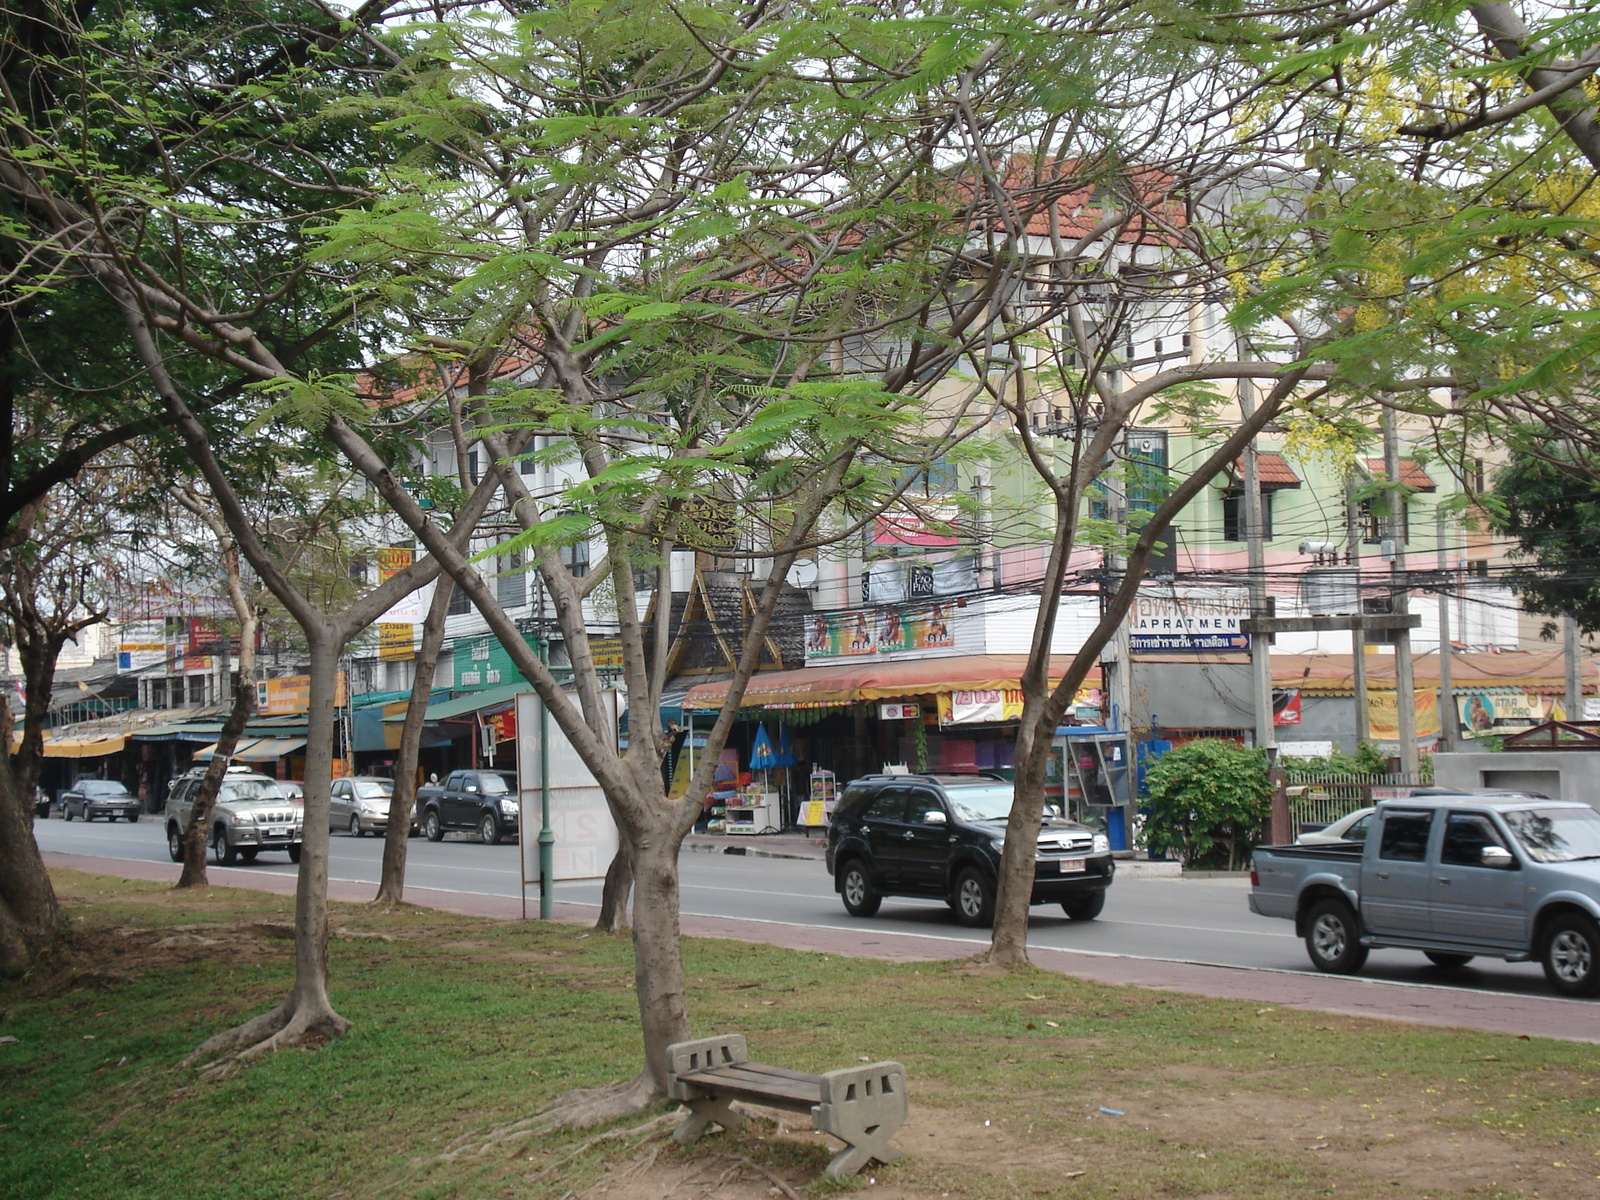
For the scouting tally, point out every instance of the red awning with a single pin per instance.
(850, 682)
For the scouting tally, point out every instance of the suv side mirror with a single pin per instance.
(1496, 856)
(934, 816)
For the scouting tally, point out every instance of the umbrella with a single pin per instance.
(762, 756)
(785, 756)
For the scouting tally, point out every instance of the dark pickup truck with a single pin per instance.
(482, 800)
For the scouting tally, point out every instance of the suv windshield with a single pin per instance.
(1557, 834)
(981, 802)
(250, 789)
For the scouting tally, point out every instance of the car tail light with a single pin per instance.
(1255, 880)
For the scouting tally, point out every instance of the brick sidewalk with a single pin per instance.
(1493, 1012)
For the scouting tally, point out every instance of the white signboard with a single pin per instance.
(585, 834)
(1188, 619)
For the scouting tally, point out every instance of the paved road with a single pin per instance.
(1156, 932)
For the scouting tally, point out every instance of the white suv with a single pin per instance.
(251, 814)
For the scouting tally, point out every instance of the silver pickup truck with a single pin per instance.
(1454, 876)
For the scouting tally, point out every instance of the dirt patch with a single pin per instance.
(103, 958)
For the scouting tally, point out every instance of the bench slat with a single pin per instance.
(759, 1079)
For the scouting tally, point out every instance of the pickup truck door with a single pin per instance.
(1471, 901)
(452, 801)
(1397, 881)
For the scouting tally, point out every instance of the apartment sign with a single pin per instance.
(1188, 621)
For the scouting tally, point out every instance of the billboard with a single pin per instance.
(871, 631)
(585, 834)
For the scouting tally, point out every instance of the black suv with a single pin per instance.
(941, 836)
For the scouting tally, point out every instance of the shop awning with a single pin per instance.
(75, 747)
(472, 702)
(258, 750)
(873, 680)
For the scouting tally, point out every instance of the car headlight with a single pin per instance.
(999, 843)
(509, 807)
(373, 809)
(243, 818)
(1102, 844)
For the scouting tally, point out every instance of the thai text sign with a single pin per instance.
(292, 694)
(1188, 620)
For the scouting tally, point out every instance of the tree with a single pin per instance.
(1552, 509)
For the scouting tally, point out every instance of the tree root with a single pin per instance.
(653, 1128)
(591, 1106)
(282, 1028)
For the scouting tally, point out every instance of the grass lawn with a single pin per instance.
(465, 1027)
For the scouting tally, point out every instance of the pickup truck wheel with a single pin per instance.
(1085, 908)
(489, 829)
(1440, 959)
(222, 852)
(1332, 938)
(294, 854)
(132, 817)
(1571, 955)
(431, 828)
(175, 843)
(855, 889)
(248, 854)
(974, 899)
(66, 812)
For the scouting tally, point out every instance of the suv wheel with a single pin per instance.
(489, 829)
(222, 851)
(431, 827)
(1084, 908)
(855, 889)
(175, 843)
(974, 899)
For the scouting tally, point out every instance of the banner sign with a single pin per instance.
(606, 652)
(1383, 722)
(1485, 714)
(409, 609)
(1188, 621)
(1286, 707)
(879, 631)
(989, 705)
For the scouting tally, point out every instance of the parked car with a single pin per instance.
(941, 836)
(251, 815)
(91, 798)
(360, 804)
(1352, 827)
(481, 800)
(41, 802)
(293, 789)
(1497, 874)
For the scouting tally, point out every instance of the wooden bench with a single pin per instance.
(862, 1106)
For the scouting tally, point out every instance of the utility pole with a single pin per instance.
(1405, 693)
(1358, 637)
(1447, 690)
(1574, 667)
(1260, 643)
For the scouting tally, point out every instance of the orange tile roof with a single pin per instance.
(1273, 470)
(1411, 474)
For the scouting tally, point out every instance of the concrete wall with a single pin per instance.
(1559, 774)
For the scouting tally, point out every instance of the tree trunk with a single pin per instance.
(1009, 944)
(307, 1016)
(657, 953)
(391, 884)
(614, 897)
(194, 834)
(31, 919)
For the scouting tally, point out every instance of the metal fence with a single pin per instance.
(1318, 797)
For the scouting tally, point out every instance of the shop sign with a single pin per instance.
(1005, 704)
(292, 694)
(395, 641)
(931, 527)
(884, 630)
(409, 609)
(899, 712)
(503, 723)
(1485, 714)
(606, 652)
(1188, 620)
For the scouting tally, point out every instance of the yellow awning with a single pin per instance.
(84, 747)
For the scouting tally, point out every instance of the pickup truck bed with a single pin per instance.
(1455, 877)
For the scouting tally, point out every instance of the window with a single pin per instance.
(889, 806)
(1234, 526)
(511, 585)
(576, 558)
(459, 604)
(1465, 836)
(1405, 836)
(1375, 522)
(1146, 469)
(197, 689)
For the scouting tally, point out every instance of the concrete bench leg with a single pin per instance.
(863, 1107)
(703, 1111)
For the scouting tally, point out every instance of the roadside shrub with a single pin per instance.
(1208, 802)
